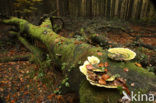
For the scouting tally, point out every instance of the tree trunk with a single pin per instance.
(58, 7)
(72, 52)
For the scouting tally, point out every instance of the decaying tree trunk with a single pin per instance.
(71, 52)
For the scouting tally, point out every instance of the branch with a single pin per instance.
(15, 58)
(103, 41)
(146, 46)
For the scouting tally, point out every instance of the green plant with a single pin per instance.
(43, 66)
(79, 38)
(141, 56)
(48, 61)
(80, 35)
(63, 66)
(120, 89)
(32, 73)
(150, 68)
(43, 72)
(57, 91)
(80, 62)
(65, 82)
(82, 30)
(71, 67)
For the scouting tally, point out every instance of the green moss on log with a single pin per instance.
(46, 23)
(92, 94)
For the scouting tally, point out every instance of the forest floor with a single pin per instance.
(19, 82)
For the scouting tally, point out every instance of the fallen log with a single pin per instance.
(103, 41)
(150, 47)
(72, 53)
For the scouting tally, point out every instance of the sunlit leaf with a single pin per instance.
(101, 65)
(126, 69)
(100, 53)
(106, 64)
(132, 84)
(138, 64)
(105, 76)
(102, 82)
(51, 96)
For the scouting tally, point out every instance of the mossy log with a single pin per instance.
(72, 52)
(103, 41)
(36, 51)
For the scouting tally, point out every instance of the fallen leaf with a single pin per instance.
(126, 69)
(109, 41)
(101, 65)
(7, 97)
(35, 78)
(59, 97)
(1, 89)
(4, 82)
(9, 69)
(102, 82)
(12, 63)
(26, 92)
(100, 53)
(27, 71)
(1, 64)
(106, 70)
(18, 94)
(62, 40)
(122, 80)
(106, 64)
(97, 34)
(12, 101)
(105, 76)
(110, 46)
(77, 42)
(138, 64)
(126, 89)
(92, 75)
(116, 83)
(57, 40)
(22, 71)
(132, 84)
(56, 89)
(21, 79)
(98, 50)
(50, 96)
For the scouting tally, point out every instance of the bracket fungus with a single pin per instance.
(99, 75)
(121, 54)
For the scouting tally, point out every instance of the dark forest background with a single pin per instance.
(123, 9)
